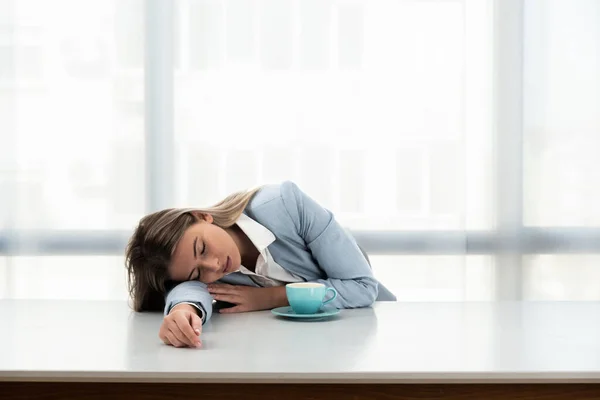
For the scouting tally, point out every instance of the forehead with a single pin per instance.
(191, 233)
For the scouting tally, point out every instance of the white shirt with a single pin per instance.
(267, 273)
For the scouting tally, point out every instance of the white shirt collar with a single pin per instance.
(260, 236)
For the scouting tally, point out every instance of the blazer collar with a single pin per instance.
(260, 236)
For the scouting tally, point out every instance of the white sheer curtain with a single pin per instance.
(71, 143)
(561, 128)
(378, 109)
(431, 128)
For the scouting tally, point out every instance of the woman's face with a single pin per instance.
(205, 253)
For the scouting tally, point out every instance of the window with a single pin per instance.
(455, 138)
(72, 96)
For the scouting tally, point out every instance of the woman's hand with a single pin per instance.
(181, 327)
(248, 298)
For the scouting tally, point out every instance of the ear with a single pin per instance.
(200, 216)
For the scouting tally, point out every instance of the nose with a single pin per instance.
(211, 265)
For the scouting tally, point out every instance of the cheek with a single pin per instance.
(176, 270)
(227, 243)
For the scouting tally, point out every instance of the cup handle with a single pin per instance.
(334, 295)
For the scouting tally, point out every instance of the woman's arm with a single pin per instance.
(334, 249)
(192, 292)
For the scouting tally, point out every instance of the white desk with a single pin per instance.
(389, 343)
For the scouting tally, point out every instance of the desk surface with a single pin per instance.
(391, 342)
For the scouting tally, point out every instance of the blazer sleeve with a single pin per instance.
(191, 292)
(334, 249)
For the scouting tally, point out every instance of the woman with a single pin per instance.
(242, 252)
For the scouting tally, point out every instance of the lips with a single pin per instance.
(227, 265)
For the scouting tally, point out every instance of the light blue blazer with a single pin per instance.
(309, 243)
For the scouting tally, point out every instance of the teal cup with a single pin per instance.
(307, 297)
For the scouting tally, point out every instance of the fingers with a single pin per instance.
(223, 292)
(220, 286)
(172, 340)
(168, 336)
(176, 338)
(179, 335)
(232, 310)
(221, 289)
(181, 328)
(184, 331)
(229, 298)
(162, 332)
(196, 323)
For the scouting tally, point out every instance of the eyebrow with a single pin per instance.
(195, 242)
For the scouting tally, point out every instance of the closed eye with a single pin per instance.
(197, 269)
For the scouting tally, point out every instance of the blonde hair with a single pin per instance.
(149, 250)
